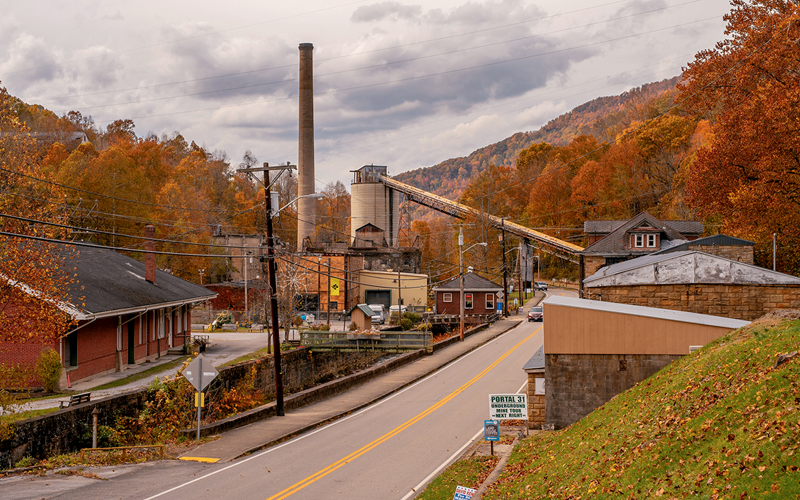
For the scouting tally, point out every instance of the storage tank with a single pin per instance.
(372, 203)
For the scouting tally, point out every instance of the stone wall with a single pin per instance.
(740, 253)
(746, 302)
(577, 384)
(69, 429)
(536, 402)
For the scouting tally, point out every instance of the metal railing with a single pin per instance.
(384, 341)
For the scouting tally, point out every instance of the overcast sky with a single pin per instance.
(405, 84)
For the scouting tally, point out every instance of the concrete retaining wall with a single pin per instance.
(577, 384)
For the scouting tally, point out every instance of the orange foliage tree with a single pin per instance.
(35, 276)
(748, 85)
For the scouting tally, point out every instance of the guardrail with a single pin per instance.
(385, 341)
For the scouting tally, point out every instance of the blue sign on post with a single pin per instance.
(491, 430)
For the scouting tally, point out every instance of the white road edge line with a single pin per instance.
(303, 436)
(416, 489)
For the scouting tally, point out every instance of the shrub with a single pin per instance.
(414, 317)
(353, 326)
(48, 368)
(406, 324)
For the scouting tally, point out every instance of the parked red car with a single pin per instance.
(536, 314)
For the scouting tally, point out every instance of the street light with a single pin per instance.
(461, 279)
(315, 196)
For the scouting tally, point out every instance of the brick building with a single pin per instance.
(480, 296)
(127, 312)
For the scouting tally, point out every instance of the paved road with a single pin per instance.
(389, 450)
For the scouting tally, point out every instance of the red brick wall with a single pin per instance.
(478, 304)
(746, 302)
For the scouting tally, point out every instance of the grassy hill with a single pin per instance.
(720, 423)
(603, 118)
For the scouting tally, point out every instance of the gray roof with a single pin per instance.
(608, 226)
(536, 362)
(364, 308)
(614, 242)
(648, 312)
(685, 267)
(716, 240)
(472, 282)
(110, 283)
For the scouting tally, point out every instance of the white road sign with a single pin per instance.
(193, 375)
(508, 406)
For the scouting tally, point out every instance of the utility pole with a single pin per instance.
(271, 273)
(519, 261)
(505, 280)
(328, 308)
(460, 284)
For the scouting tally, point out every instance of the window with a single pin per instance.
(161, 323)
(141, 320)
(71, 349)
(178, 319)
(334, 306)
(490, 301)
(638, 240)
(467, 301)
(447, 297)
(651, 241)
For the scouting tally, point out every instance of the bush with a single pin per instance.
(406, 324)
(414, 317)
(48, 368)
(353, 326)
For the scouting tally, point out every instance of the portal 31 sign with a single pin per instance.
(508, 406)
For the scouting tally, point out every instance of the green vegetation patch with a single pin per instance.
(470, 473)
(720, 423)
(145, 374)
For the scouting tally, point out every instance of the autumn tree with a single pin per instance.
(333, 214)
(35, 276)
(749, 86)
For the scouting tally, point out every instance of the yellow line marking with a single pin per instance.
(201, 459)
(397, 430)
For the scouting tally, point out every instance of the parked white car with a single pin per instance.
(379, 317)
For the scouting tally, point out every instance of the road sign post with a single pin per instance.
(491, 432)
(199, 377)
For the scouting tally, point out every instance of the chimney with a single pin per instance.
(306, 208)
(149, 256)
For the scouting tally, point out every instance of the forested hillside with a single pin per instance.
(602, 118)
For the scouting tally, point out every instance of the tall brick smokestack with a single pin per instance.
(306, 210)
(149, 256)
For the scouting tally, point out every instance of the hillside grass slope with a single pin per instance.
(720, 423)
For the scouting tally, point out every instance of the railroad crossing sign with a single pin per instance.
(198, 379)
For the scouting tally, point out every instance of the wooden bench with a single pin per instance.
(75, 399)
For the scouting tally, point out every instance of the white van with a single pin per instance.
(379, 317)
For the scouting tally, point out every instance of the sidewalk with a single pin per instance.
(224, 347)
(237, 442)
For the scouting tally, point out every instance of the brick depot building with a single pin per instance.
(127, 312)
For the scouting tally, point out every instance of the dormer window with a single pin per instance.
(651, 241)
(638, 240)
(646, 240)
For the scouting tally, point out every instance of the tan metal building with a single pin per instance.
(381, 287)
(595, 350)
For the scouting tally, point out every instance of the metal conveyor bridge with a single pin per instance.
(560, 248)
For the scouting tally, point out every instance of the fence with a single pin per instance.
(386, 341)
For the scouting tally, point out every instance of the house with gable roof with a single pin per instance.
(480, 296)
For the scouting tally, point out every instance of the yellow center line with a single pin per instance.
(352, 456)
